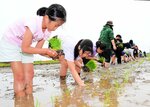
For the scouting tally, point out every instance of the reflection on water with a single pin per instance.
(27, 101)
(70, 98)
(102, 92)
(120, 86)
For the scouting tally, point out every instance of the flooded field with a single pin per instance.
(126, 85)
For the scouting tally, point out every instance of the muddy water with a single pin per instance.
(120, 86)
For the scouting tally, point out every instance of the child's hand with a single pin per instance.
(85, 69)
(59, 54)
(51, 53)
(82, 84)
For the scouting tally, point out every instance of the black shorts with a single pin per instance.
(107, 54)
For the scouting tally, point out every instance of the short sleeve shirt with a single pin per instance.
(15, 33)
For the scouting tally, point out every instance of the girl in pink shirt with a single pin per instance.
(15, 45)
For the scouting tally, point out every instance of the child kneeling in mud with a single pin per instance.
(97, 51)
(73, 54)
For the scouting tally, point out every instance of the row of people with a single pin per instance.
(16, 47)
(116, 48)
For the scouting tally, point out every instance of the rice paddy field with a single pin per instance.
(125, 85)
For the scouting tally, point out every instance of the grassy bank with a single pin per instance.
(148, 54)
(35, 63)
(47, 62)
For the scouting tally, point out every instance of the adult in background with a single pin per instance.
(107, 38)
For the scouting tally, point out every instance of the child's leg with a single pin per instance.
(113, 59)
(30, 101)
(20, 102)
(29, 74)
(63, 68)
(19, 85)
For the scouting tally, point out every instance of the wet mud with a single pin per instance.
(120, 86)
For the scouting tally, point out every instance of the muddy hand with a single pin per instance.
(85, 69)
(51, 53)
(59, 53)
(82, 84)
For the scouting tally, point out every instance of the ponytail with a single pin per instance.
(55, 11)
(85, 45)
(76, 49)
(41, 11)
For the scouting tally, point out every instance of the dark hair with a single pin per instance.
(100, 45)
(41, 11)
(54, 11)
(131, 42)
(127, 45)
(76, 49)
(85, 45)
(119, 36)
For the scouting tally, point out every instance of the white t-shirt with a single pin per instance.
(15, 32)
(68, 46)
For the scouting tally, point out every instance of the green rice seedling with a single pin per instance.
(37, 104)
(88, 87)
(55, 43)
(148, 55)
(141, 62)
(148, 59)
(101, 59)
(126, 76)
(120, 45)
(110, 98)
(67, 92)
(53, 99)
(107, 99)
(4, 64)
(92, 65)
(116, 84)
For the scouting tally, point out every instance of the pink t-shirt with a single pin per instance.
(14, 34)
